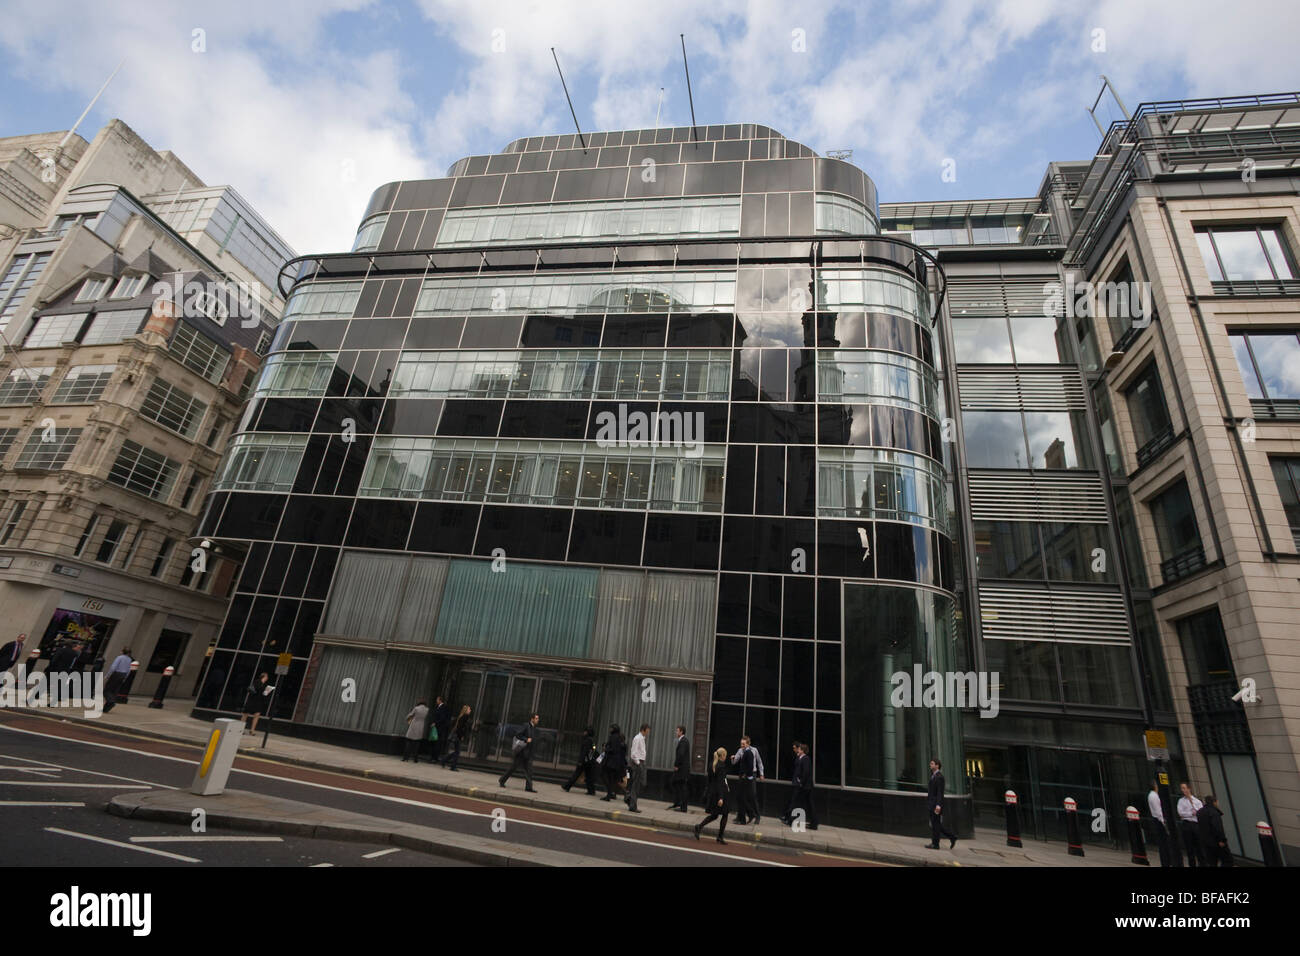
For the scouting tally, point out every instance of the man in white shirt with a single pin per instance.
(636, 768)
(1188, 804)
(118, 671)
(1159, 832)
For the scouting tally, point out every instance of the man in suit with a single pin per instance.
(746, 797)
(441, 721)
(801, 787)
(934, 804)
(523, 758)
(1214, 841)
(12, 653)
(681, 771)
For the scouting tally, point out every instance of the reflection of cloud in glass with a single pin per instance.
(1279, 362)
(994, 440)
(1051, 440)
(981, 340)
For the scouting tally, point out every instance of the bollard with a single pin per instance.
(1136, 841)
(1268, 845)
(1072, 827)
(161, 692)
(1013, 819)
(214, 767)
(124, 691)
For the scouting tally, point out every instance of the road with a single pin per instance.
(45, 761)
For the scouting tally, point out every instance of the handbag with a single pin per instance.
(600, 758)
(433, 734)
(519, 744)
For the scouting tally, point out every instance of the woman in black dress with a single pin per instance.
(717, 797)
(257, 699)
(615, 763)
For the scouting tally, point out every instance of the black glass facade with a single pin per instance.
(532, 466)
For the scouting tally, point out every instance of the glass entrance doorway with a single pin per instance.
(503, 701)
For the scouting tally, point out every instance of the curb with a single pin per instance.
(407, 836)
(506, 797)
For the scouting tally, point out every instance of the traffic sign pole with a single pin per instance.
(281, 669)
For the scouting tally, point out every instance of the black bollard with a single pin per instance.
(1072, 827)
(161, 692)
(1268, 845)
(124, 691)
(1013, 819)
(1136, 842)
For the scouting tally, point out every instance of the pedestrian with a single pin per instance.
(1214, 841)
(62, 659)
(681, 771)
(745, 766)
(716, 795)
(636, 767)
(615, 760)
(1188, 826)
(257, 699)
(441, 727)
(415, 722)
(1158, 829)
(801, 787)
(117, 674)
(12, 653)
(934, 804)
(523, 754)
(587, 764)
(459, 731)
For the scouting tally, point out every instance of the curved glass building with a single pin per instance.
(642, 426)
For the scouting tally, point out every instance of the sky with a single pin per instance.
(307, 106)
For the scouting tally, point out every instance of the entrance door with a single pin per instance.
(503, 702)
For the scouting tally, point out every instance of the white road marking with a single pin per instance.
(129, 846)
(371, 856)
(41, 803)
(207, 839)
(30, 769)
(378, 796)
(314, 865)
(60, 783)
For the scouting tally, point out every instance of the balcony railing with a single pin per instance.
(1155, 445)
(1256, 287)
(1220, 721)
(1185, 562)
(1287, 409)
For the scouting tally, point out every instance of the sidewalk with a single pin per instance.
(988, 848)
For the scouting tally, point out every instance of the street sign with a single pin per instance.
(1157, 745)
(282, 663)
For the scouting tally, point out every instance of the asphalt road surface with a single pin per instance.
(45, 762)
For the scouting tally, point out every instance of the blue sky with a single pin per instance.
(305, 106)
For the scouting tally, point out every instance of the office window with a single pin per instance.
(196, 481)
(54, 330)
(107, 328)
(198, 353)
(23, 386)
(546, 472)
(129, 558)
(1039, 340)
(85, 535)
(92, 289)
(173, 408)
(7, 437)
(840, 215)
(215, 432)
(322, 300)
(567, 293)
(1122, 302)
(1286, 471)
(298, 374)
(1057, 440)
(1270, 368)
(1109, 434)
(1071, 552)
(83, 384)
(11, 521)
(981, 341)
(1245, 253)
(263, 342)
(875, 376)
(160, 559)
(129, 286)
(112, 538)
(1008, 549)
(1205, 648)
(1149, 413)
(995, 440)
(48, 455)
(144, 471)
(17, 282)
(261, 463)
(880, 483)
(1176, 530)
(369, 234)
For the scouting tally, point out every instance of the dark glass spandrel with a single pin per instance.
(471, 418)
(769, 498)
(376, 334)
(762, 684)
(801, 480)
(561, 331)
(844, 424)
(635, 331)
(254, 563)
(536, 533)
(434, 332)
(309, 468)
(381, 524)
(606, 537)
(251, 515)
(305, 628)
(411, 416)
(322, 573)
(705, 330)
(798, 606)
(295, 581)
(739, 494)
(444, 527)
(287, 414)
(314, 520)
(354, 464)
(690, 542)
(526, 418)
(729, 665)
(492, 331)
(840, 549)
(798, 673)
(733, 603)
(765, 605)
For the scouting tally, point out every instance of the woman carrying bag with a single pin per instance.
(717, 797)
(415, 722)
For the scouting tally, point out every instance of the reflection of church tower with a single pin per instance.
(1055, 454)
(805, 376)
